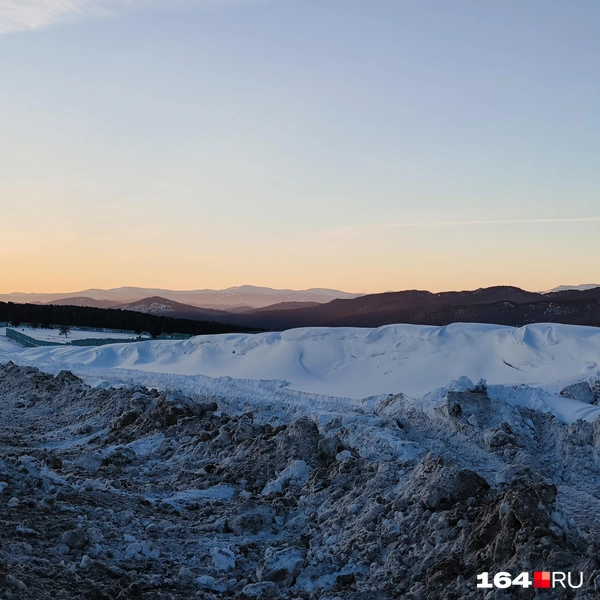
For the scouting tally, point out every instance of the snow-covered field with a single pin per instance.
(53, 335)
(344, 366)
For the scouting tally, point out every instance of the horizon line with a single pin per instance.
(325, 289)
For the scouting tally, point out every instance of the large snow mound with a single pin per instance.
(352, 363)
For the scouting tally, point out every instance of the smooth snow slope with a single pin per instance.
(352, 362)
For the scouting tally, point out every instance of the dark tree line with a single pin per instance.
(42, 315)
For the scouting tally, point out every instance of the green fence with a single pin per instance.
(103, 342)
(30, 342)
(25, 340)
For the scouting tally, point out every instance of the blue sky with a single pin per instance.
(337, 143)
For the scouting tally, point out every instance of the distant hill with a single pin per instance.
(502, 305)
(285, 306)
(373, 310)
(83, 301)
(240, 297)
(169, 308)
(581, 287)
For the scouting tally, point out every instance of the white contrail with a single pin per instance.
(481, 222)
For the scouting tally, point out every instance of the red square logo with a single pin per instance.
(541, 579)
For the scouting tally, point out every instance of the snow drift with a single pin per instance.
(528, 365)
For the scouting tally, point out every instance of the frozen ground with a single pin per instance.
(132, 493)
(313, 464)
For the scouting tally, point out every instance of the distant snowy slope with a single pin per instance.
(349, 362)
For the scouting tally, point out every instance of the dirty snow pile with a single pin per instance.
(130, 492)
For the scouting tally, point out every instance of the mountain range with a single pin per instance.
(244, 297)
(503, 305)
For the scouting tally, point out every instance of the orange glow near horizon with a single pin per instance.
(367, 261)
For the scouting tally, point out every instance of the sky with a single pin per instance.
(363, 145)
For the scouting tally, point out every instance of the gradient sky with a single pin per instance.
(366, 145)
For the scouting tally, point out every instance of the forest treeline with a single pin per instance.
(49, 315)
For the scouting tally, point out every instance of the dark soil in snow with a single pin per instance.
(135, 493)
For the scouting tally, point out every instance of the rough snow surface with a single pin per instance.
(134, 493)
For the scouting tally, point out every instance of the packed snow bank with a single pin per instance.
(352, 363)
